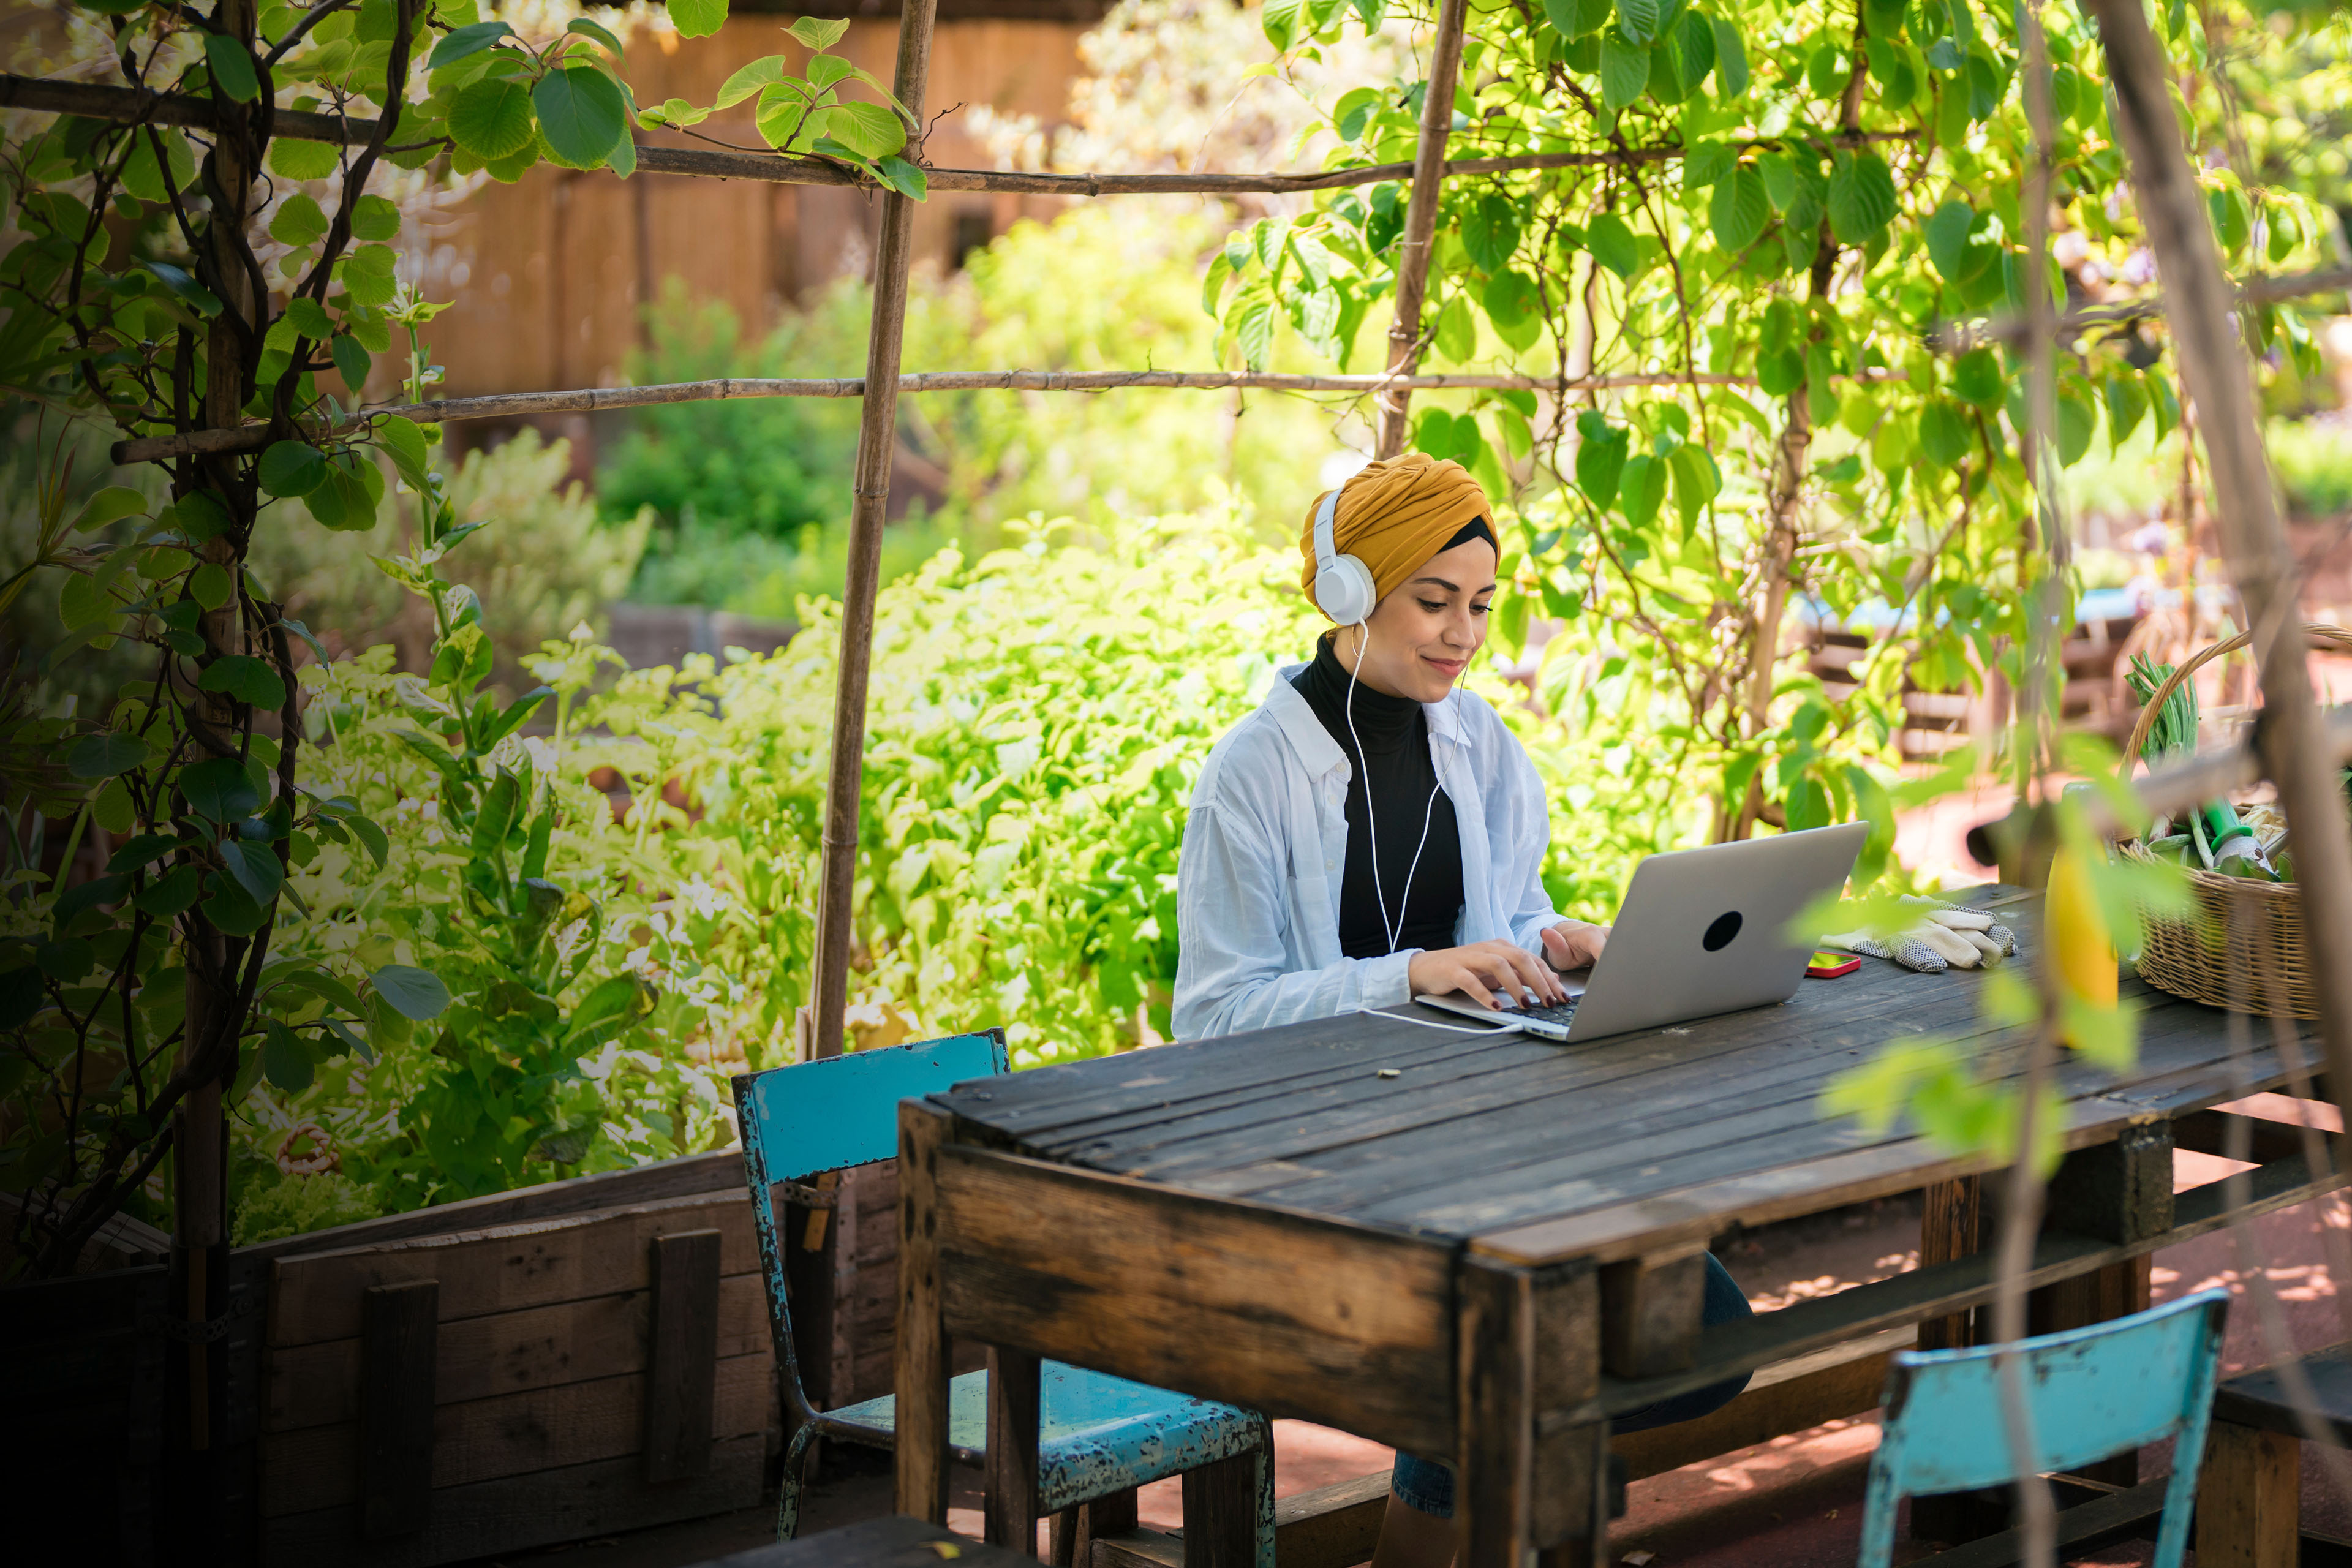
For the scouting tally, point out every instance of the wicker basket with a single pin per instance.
(2248, 936)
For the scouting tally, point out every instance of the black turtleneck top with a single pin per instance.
(1390, 788)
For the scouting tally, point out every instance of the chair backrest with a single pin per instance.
(811, 1117)
(2091, 1392)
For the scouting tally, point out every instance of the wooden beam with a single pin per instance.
(1429, 173)
(682, 1363)
(2294, 750)
(602, 399)
(921, 1353)
(136, 106)
(877, 444)
(1009, 1504)
(1650, 1310)
(1785, 1397)
(400, 1324)
(2249, 1498)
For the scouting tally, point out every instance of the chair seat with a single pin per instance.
(1097, 1433)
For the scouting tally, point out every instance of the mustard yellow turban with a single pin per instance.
(1395, 515)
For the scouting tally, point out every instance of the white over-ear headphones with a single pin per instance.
(1343, 583)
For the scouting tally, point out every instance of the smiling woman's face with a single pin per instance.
(1425, 633)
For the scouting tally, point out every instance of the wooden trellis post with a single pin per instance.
(1421, 220)
(877, 439)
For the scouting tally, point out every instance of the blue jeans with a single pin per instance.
(1428, 1486)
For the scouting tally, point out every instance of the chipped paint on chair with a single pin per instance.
(2091, 1392)
(1097, 1435)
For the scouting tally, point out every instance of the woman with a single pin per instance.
(1373, 832)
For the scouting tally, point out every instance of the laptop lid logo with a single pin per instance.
(1718, 935)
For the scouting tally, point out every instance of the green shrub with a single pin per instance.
(550, 564)
(2313, 459)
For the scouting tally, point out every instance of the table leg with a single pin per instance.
(1952, 1227)
(921, 1370)
(1009, 1510)
(1528, 1341)
(1221, 1513)
(2249, 1498)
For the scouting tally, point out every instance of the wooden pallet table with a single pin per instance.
(1481, 1248)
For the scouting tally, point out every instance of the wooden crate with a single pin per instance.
(536, 1367)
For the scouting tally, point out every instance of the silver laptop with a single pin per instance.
(1701, 932)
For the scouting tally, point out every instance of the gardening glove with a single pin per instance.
(1942, 936)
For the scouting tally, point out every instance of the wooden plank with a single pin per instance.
(1140, 1548)
(1221, 1513)
(1568, 1502)
(2085, 1526)
(517, 1512)
(1074, 1530)
(895, 1542)
(1331, 1527)
(2118, 1190)
(1009, 1502)
(687, 1177)
(1277, 1313)
(2249, 1498)
(512, 1435)
(682, 1355)
(1951, 1224)
(921, 1369)
(507, 1352)
(399, 1326)
(1931, 1291)
(1494, 1457)
(1786, 1397)
(316, 1296)
(1650, 1313)
(2211, 1132)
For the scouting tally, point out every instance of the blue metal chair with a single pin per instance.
(2094, 1392)
(1098, 1436)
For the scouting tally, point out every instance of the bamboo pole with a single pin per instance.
(134, 105)
(877, 442)
(1960, 337)
(1429, 172)
(2292, 736)
(601, 399)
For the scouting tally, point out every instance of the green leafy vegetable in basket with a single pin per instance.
(2223, 842)
(2175, 730)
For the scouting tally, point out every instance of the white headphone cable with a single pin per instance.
(1428, 812)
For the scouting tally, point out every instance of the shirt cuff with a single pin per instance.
(1388, 982)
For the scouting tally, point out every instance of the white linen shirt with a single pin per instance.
(1257, 884)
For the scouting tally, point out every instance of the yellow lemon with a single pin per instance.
(2079, 943)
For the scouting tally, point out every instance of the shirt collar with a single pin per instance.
(1316, 751)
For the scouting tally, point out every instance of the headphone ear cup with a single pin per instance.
(1344, 590)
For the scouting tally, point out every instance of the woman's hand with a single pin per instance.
(1573, 944)
(1471, 970)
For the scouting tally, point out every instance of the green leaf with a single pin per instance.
(246, 678)
(907, 179)
(1490, 232)
(1640, 488)
(1457, 330)
(351, 362)
(416, 994)
(232, 67)
(1946, 230)
(1281, 22)
(1612, 244)
(2078, 422)
(299, 221)
(1625, 70)
(1739, 209)
(816, 33)
(285, 1061)
(591, 29)
(764, 72)
(700, 18)
(104, 756)
(1862, 197)
(825, 71)
(1686, 54)
(2126, 407)
(347, 500)
(1977, 378)
(580, 114)
(1639, 19)
(491, 119)
(171, 893)
(371, 838)
(1600, 453)
(310, 318)
(1515, 306)
(219, 790)
(112, 504)
(470, 39)
(1730, 60)
(1696, 481)
(255, 868)
(867, 129)
(209, 585)
(143, 850)
(1944, 434)
(1254, 329)
(374, 217)
(411, 457)
(290, 159)
(1354, 111)
(1705, 163)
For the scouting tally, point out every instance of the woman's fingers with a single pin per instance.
(1466, 980)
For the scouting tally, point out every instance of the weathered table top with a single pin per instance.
(1530, 1150)
(896, 1542)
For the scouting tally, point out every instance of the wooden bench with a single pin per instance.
(896, 1542)
(2250, 1500)
(1337, 1526)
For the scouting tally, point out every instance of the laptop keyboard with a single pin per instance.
(1558, 1013)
